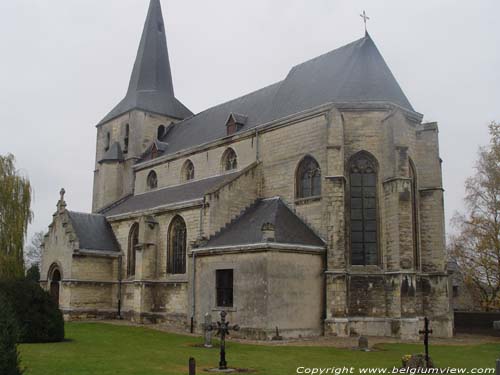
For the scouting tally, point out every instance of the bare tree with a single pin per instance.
(476, 246)
(15, 215)
(33, 251)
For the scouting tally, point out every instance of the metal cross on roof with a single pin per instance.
(365, 18)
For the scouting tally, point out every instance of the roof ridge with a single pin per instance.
(225, 103)
(345, 46)
(85, 213)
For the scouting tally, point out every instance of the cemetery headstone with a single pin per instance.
(363, 343)
(208, 331)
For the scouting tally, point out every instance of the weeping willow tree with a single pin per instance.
(15, 215)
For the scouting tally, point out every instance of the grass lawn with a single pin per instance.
(103, 349)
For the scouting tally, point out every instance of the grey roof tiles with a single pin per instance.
(247, 228)
(93, 231)
(355, 73)
(150, 87)
(114, 153)
(170, 195)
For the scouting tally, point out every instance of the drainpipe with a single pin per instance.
(193, 281)
(325, 291)
(120, 287)
(193, 291)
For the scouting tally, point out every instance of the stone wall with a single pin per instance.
(207, 163)
(229, 200)
(271, 289)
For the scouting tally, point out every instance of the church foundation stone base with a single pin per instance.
(404, 328)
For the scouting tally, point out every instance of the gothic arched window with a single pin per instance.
(363, 204)
(414, 212)
(188, 171)
(152, 180)
(133, 241)
(308, 178)
(176, 262)
(229, 160)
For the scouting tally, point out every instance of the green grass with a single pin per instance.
(102, 349)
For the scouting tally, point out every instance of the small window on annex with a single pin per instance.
(224, 288)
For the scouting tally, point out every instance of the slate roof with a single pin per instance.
(113, 154)
(355, 73)
(93, 231)
(247, 228)
(150, 86)
(169, 195)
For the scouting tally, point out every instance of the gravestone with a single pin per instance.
(363, 343)
(496, 325)
(208, 331)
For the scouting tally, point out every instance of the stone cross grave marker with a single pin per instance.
(208, 330)
(223, 329)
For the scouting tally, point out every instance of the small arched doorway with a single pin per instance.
(55, 284)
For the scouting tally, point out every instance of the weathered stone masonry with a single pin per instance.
(255, 235)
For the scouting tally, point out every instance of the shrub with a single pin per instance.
(33, 273)
(9, 356)
(37, 315)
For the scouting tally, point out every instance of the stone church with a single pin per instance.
(314, 205)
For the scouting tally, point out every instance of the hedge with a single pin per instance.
(38, 317)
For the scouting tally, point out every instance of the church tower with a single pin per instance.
(146, 112)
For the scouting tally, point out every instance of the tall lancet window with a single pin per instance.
(363, 210)
(133, 241)
(414, 212)
(126, 138)
(108, 141)
(176, 262)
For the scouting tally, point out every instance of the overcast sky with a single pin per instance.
(65, 63)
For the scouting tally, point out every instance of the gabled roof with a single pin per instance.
(170, 195)
(150, 86)
(113, 154)
(93, 231)
(247, 228)
(355, 73)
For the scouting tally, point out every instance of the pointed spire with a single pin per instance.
(150, 87)
(152, 67)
